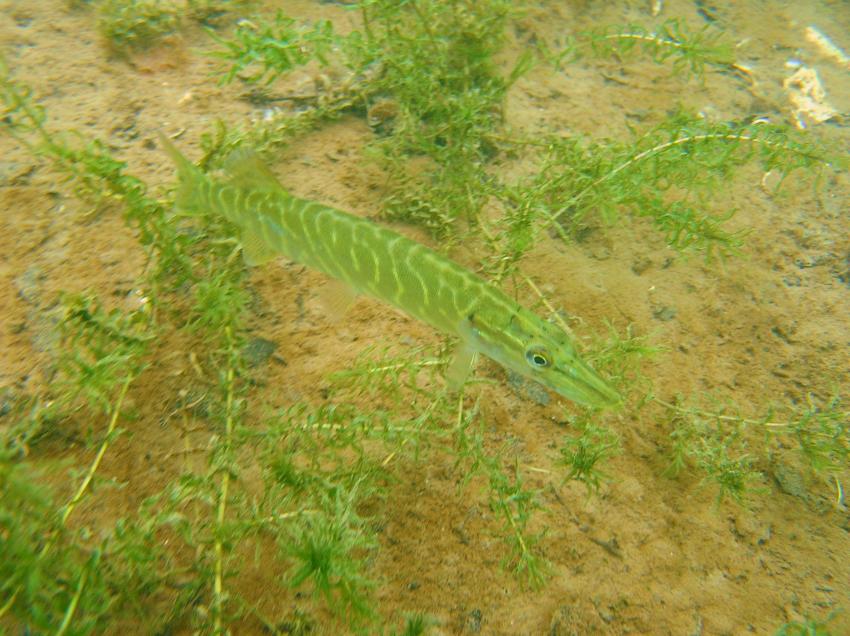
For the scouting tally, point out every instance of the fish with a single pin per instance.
(374, 260)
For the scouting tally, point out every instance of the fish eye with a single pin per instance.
(538, 358)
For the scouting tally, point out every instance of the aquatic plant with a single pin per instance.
(132, 25)
(213, 13)
(720, 441)
(310, 477)
(582, 455)
(263, 52)
(672, 40)
(809, 626)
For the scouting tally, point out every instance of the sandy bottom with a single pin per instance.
(648, 554)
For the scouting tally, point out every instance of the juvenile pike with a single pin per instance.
(377, 261)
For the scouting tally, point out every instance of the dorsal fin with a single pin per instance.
(247, 170)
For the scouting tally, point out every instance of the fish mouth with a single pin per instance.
(582, 384)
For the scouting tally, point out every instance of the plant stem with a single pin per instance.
(649, 37)
(726, 418)
(69, 507)
(222, 498)
(72, 606)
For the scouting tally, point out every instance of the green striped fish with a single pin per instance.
(374, 260)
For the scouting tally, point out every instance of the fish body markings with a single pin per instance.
(377, 261)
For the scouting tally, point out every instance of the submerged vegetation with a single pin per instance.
(300, 487)
(131, 26)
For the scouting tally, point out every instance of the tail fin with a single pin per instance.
(188, 174)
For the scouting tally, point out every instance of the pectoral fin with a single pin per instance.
(461, 366)
(336, 298)
(255, 250)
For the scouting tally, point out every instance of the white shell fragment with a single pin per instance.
(808, 98)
